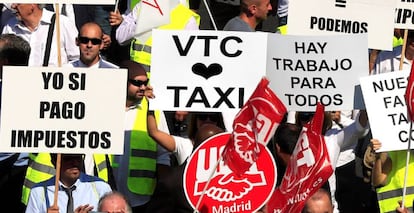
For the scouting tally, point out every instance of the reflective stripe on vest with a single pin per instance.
(101, 166)
(180, 16)
(143, 155)
(40, 169)
(390, 194)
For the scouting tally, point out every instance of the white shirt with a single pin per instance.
(388, 61)
(338, 140)
(183, 148)
(126, 30)
(37, 39)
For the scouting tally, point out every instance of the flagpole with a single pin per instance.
(406, 165)
(210, 15)
(208, 182)
(403, 49)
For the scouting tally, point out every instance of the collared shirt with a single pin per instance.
(88, 191)
(388, 61)
(101, 64)
(38, 38)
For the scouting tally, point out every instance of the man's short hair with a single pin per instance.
(15, 49)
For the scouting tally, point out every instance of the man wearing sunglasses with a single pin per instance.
(90, 44)
(143, 161)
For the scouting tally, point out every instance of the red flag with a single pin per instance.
(308, 169)
(255, 123)
(409, 97)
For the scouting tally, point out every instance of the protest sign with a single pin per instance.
(205, 70)
(221, 190)
(386, 108)
(304, 70)
(63, 110)
(404, 14)
(327, 17)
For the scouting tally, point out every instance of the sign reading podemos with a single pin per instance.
(63, 110)
(327, 17)
(221, 190)
(386, 108)
(205, 70)
(305, 70)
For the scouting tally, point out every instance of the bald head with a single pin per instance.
(114, 202)
(206, 131)
(319, 202)
(91, 26)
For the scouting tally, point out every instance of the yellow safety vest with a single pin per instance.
(390, 194)
(41, 168)
(180, 15)
(143, 155)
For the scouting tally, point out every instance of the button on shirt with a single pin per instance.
(88, 191)
(37, 39)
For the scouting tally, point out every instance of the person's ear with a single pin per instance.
(77, 41)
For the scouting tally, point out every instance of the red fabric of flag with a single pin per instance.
(409, 97)
(308, 169)
(255, 123)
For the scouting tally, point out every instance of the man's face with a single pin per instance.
(71, 166)
(136, 87)
(114, 204)
(90, 43)
(262, 9)
(22, 11)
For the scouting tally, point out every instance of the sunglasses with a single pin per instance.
(212, 117)
(138, 83)
(85, 40)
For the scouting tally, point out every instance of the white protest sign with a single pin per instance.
(152, 14)
(327, 17)
(63, 110)
(404, 14)
(205, 70)
(304, 70)
(108, 2)
(386, 108)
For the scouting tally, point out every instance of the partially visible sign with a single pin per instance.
(63, 110)
(226, 191)
(386, 108)
(404, 14)
(329, 17)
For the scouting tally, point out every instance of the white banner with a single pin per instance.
(404, 14)
(205, 70)
(386, 108)
(327, 17)
(63, 110)
(304, 70)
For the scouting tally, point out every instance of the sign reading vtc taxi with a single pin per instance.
(225, 191)
(63, 110)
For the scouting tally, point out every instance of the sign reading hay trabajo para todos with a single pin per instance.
(305, 70)
(328, 17)
(205, 70)
(63, 110)
(386, 108)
